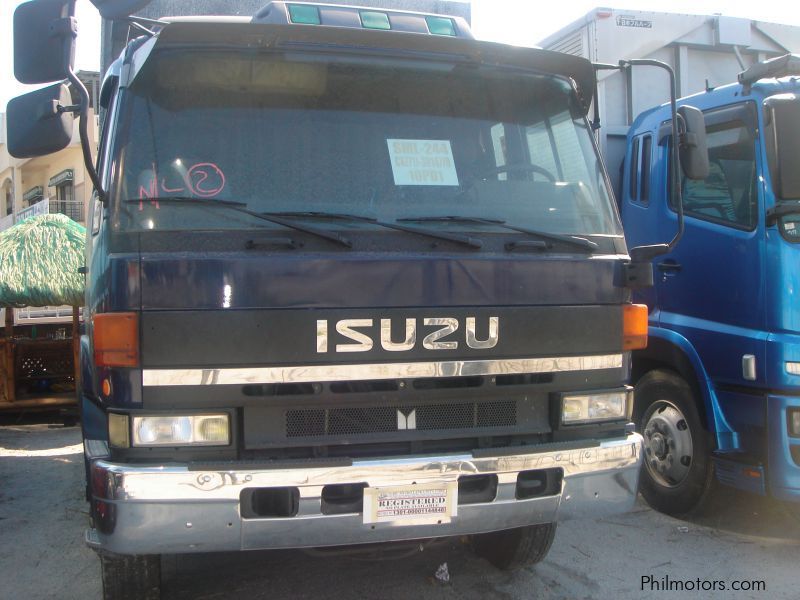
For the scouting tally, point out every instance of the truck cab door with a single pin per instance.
(710, 287)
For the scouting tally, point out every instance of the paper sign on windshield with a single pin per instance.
(422, 162)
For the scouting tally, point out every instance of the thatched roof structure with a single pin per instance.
(39, 261)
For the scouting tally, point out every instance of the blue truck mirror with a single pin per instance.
(117, 9)
(44, 40)
(37, 123)
(693, 147)
(783, 144)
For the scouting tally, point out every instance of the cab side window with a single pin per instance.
(639, 175)
(728, 195)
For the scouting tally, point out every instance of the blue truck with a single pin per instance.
(352, 277)
(718, 386)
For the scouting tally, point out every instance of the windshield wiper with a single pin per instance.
(554, 237)
(781, 210)
(240, 207)
(452, 237)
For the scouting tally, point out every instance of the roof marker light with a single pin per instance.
(374, 20)
(441, 26)
(303, 14)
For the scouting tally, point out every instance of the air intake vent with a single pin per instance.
(572, 44)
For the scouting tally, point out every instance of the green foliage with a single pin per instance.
(39, 261)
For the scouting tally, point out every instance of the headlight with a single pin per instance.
(602, 406)
(793, 368)
(195, 430)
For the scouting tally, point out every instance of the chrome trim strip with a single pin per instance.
(349, 372)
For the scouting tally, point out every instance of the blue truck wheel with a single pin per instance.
(677, 469)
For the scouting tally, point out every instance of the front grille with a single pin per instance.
(380, 418)
(315, 422)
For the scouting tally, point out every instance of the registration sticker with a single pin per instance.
(431, 503)
(422, 162)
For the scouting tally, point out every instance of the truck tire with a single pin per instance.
(131, 577)
(511, 549)
(677, 469)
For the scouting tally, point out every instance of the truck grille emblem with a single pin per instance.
(406, 420)
(362, 334)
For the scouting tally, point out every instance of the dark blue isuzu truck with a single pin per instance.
(352, 277)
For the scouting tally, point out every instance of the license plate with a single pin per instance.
(430, 503)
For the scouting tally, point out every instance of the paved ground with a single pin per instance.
(738, 538)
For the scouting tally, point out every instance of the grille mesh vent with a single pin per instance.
(383, 419)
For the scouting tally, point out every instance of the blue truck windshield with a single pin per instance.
(385, 139)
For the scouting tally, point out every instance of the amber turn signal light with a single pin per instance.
(116, 339)
(634, 326)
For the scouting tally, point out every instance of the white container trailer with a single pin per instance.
(704, 50)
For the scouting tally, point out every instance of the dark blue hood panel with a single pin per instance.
(247, 281)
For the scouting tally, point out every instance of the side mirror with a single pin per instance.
(44, 40)
(117, 9)
(693, 147)
(782, 115)
(36, 123)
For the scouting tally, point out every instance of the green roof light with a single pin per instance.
(304, 14)
(441, 26)
(374, 20)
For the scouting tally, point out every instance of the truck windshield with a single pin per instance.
(386, 139)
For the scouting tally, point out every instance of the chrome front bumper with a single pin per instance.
(171, 509)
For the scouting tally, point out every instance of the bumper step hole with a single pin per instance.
(475, 489)
(541, 482)
(269, 502)
(343, 498)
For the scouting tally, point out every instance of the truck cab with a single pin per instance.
(352, 277)
(717, 386)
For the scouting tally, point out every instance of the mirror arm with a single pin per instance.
(650, 252)
(639, 272)
(83, 130)
(137, 25)
(600, 67)
(65, 27)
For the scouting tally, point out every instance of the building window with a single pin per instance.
(65, 202)
(8, 194)
(33, 195)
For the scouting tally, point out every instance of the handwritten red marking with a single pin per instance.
(203, 180)
(206, 172)
(151, 193)
(170, 190)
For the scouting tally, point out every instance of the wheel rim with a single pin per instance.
(667, 444)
